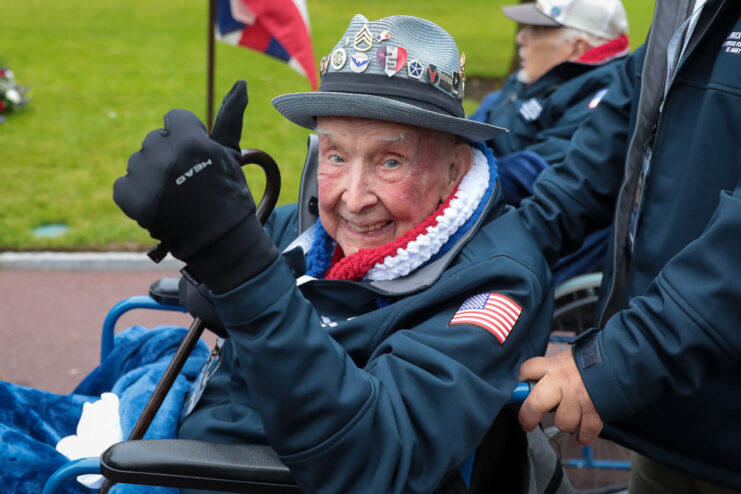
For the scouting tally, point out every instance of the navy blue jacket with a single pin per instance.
(664, 371)
(361, 396)
(541, 117)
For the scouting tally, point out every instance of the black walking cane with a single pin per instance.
(267, 203)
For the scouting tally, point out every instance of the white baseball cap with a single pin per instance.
(603, 18)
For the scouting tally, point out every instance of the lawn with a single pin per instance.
(102, 74)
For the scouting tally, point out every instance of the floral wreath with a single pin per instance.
(13, 97)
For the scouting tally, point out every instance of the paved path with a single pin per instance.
(50, 322)
(50, 326)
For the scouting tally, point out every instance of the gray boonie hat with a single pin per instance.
(400, 69)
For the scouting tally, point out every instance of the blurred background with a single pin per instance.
(100, 75)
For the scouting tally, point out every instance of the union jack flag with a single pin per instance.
(492, 311)
(279, 28)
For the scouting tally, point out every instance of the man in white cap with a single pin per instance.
(566, 50)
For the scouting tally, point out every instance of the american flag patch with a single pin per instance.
(491, 311)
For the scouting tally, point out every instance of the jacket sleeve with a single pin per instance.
(399, 422)
(576, 197)
(684, 330)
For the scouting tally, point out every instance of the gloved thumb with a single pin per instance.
(228, 124)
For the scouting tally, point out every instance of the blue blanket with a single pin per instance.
(33, 421)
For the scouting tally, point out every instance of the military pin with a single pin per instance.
(338, 58)
(446, 81)
(383, 36)
(324, 64)
(431, 74)
(363, 40)
(415, 69)
(359, 62)
(463, 69)
(393, 59)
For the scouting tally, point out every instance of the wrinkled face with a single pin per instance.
(541, 48)
(377, 180)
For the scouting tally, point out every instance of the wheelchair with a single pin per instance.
(178, 463)
(247, 468)
(257, 469)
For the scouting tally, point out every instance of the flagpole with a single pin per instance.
(210, 70)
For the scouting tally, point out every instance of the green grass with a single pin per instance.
(103, 73)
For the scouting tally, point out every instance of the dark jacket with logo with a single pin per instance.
(664, 370)
(541, 117)
(365, 386)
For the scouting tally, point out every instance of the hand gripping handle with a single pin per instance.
(269, 197)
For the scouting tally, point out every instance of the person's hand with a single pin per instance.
(559, 386)
(181, 183)
(187, 189)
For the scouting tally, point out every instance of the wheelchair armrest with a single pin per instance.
(184, 463)
(165, 290)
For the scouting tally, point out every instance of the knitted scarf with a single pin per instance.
(434, 236)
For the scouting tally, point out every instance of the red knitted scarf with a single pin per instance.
(355, 266)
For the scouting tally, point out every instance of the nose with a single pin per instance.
(358, 193)
(522, 36)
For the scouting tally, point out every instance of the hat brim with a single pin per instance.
(303, 108)
(528, 14)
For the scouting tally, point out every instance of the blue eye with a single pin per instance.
(336, 159)
(391, 164)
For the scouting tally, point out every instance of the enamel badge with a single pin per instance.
(338, 58)
(393, 59)
(431, 74)
(415, 69)
(359, 62)
(363, 39)
(383, 36)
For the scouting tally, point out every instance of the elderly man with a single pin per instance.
(379, 363)
(566, 50)
(382, 367)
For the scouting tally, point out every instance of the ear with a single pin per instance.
(460, 164)
(579, 47)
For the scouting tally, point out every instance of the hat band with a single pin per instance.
(408, 91)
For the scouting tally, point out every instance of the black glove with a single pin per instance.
(189, 191)
(199, 304)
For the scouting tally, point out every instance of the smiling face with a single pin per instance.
(541, 48)
(378, 180)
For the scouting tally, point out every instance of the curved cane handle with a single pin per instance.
(272, 180)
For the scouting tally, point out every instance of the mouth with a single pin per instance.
(369, 228)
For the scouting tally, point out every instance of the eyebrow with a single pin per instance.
(397, 138)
